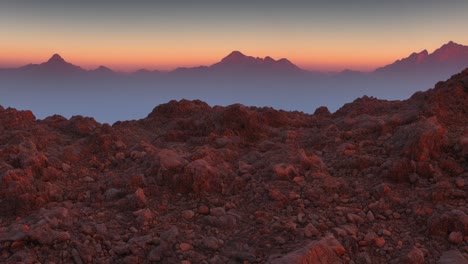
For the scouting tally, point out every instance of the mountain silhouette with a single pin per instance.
(60, 86)
(55, 65)
(451, 52)
(449, 58)
(103, 70)
(236, 61)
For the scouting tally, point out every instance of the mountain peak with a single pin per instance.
(55, 64)
(450, 50)
(450, 53)
(234, 56)
(417, 57)
(450, 45)
(237, 61)
(56, 58)
(102, 69)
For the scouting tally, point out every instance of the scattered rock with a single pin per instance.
(452, 257)
(459, 182)
(210, 243)
(193, 183)
(185, 246)
(414, 256)
(326, 250)
(170, 235)
(140, 198)
(455, 237)
(188, 214)
(355, 219)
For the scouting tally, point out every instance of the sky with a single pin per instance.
(330, 35)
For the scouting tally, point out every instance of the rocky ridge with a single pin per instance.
(376, 182)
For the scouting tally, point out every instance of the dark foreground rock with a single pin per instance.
(375, 182)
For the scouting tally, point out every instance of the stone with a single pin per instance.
(187, 214)
(452, 257)
(185, 246)
(379, 242)
(460, 182)
(203, 209)
(170, 235)
(355, 219)
(66, 167)
(140, 198)
(455, 237)
(326, 250)
(370, 216)
(211, 242)
(414, 256)
(217, 211)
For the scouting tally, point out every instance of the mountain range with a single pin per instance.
(452, 56)
(58, 86)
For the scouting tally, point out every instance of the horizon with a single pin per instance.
(96, 66)
(321, 36)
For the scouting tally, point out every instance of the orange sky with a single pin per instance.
(329, 36)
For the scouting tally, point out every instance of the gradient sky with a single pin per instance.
(327, 35)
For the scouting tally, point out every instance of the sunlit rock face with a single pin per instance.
(375, 182)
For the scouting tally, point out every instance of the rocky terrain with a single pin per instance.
(375, 182)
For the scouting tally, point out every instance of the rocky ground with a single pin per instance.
(375, 182)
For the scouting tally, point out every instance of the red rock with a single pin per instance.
(66, 167)
(455, 237)
(459, 182)
(370, 216)
(140, 198)
(379, 242)
(420, 141)
(276, 195)
(311, 231)
(211, 243)
(185, 246)
(141, 191)
(326, 250)
(203, 209)
(217, 211)
(170, 235)
(284, 171)
(205, 177)
(452, 257)
(370, 236)
(414, 256)
(454, 220)
(188, 214)
(17, 245)
(354, 218)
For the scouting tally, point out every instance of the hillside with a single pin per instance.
(375, 182)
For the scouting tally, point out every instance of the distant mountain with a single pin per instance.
(145, 74)
(55, 65)
(449, 58)
(238, 62)
(59, 86)
(103, 70)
